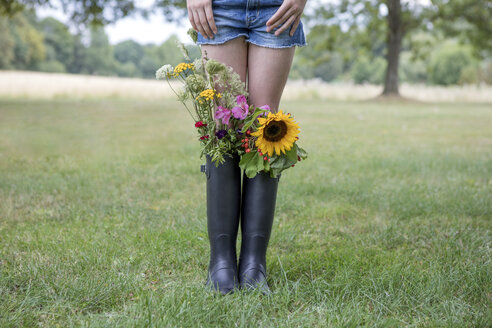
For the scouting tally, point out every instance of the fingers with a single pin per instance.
(192, 20)
(296, 24)
(280, 12)
(210, 18)
(198, 24)
(286, 25)
(281, 20)
(204, 23)
(202, 18)
(288, 15)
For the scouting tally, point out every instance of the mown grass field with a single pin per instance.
(387, 224)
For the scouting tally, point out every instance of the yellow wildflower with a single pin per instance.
(181, 67)
(209, 94)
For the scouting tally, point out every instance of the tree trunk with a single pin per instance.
(395, 35)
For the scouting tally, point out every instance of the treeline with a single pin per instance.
(48, 45)
(335, 55)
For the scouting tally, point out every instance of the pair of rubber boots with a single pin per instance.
(224, 207)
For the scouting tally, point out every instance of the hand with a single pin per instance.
(288, 14)
(201, 17)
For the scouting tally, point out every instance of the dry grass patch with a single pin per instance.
(35, 85)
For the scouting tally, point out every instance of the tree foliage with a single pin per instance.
(81, 11)
(451, 64)
(348, 40)
(468, 20)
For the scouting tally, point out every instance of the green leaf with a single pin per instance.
(248, 163)
(302, 153)
(277, 162)
(292, 155)
(275, 172)
(266, 166)
(250, 120)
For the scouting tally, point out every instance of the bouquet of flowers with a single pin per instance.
(227, 125)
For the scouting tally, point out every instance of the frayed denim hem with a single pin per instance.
(274, 46)
(212, 42)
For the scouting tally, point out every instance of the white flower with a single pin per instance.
(198, 63)
(164, 72)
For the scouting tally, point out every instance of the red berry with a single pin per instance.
(248, 150)
(299, 158)
(266, 158)
(293, 165)
(246, 139)
(248, 132)
(261, 154)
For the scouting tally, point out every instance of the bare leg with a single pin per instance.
(233, 53)
(268, 70)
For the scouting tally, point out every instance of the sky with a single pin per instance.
(154, 29)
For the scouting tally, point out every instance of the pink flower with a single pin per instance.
(265, 107)
(241, 100)
(223, 114)
(241, 111)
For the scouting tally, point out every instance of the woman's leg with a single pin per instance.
(268, 70)
(233, 53)
(224, 189)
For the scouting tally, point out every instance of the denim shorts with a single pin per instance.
(235, 18)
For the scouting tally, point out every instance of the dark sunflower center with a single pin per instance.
(275, 131)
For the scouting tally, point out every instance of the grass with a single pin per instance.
(387, 224)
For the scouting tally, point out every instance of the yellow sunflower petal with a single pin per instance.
(282, 143)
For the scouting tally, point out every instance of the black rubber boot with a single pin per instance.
(223, 209)
(258, 209)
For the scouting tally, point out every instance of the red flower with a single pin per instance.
(200, 124)
(204, 137)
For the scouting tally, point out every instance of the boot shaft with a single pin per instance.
(223, 208)
(257, 213)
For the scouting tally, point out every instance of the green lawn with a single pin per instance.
(388, 223)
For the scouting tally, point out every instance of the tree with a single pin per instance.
(29, 49)
(128, 51)
(156, 56)
(99, 57)
(7, 44)
(449, 64)
(59, 42)
(372, 21)
(468, 20)
(96, 12)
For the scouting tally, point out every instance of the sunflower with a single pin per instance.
(277, 133)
